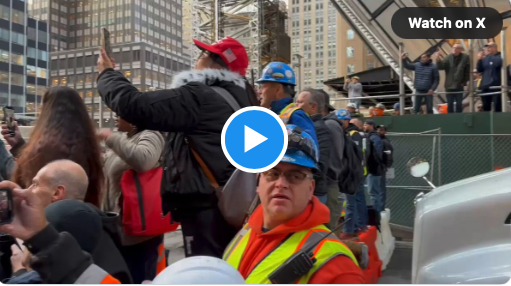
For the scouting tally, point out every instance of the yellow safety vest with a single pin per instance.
(327, 249)
(285, 114)
(363, 150)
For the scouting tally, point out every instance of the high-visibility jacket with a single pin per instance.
(363, 147)
(285, 114)
(327, 249)
(95, 275)
(161, 264)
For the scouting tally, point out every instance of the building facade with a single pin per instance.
(146, 37)
(24, 56)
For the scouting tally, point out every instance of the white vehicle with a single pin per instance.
(462, 232)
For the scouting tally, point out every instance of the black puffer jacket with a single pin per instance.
(193, 114)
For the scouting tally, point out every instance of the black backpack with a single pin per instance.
(352, 172)
(388, 153)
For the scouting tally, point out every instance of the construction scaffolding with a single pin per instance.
(258, 24)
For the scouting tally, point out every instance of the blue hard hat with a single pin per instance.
(397, 106)
(278, 72)
(302, 150)
(343, 114)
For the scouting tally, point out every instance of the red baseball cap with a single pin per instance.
(231, 51)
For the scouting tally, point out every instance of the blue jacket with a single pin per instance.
(426, 75)
(490, 68)
(298, 118)
(375, 165)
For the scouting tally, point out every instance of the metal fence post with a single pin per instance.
(471, 80)
(401, 81)
(504, 68)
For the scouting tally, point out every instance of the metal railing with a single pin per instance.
(470, 88)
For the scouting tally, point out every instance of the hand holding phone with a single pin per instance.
(105, 42)
(9, 119)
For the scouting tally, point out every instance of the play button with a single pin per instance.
(254, 139)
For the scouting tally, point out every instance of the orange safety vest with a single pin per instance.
(327, 249)
(95, 275)
(285, 114)
(162, 261)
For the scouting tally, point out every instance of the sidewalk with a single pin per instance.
(174, 243)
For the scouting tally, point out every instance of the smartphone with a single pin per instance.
(6, 206)
(9, 118)
(105, 42)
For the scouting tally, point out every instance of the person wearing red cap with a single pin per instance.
(193, 112)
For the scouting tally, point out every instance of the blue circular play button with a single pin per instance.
(254, 139)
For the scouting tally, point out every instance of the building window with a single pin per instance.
(4, 56)
(30, 88)
(18, 38)
(351, 69)
(41, 73)
(32, 34)
(43, 37)
(31, 71)
(17, 59)
(18, 17)
(4, 34)
(16, 79)
(371, 65)
(350, 52)
(5, 12)
(4, 77)
(31, 53)
(351, 34)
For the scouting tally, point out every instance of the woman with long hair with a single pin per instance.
(63, 130)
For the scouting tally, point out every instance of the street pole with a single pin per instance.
(401, 81)
(299, 68)
(471, 90)
(504, 68)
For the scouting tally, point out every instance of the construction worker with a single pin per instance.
(379, 110)
(277, 92)
(350, 209)
(291, 219)
(352, 109)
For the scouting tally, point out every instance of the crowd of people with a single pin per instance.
(71, 219)
(456, 67)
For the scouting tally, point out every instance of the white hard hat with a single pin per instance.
(352, 105)
(199, 270)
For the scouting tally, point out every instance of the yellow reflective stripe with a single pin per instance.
(234, 258)
(276, 258)
(235, 241)
(328, 248)
(289, 106)
(345, 249)
(363, 151)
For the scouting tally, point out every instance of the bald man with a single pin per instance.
(60, 180)
(457, 74)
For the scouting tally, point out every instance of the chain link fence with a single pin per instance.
(452, 157)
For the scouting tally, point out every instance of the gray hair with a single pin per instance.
(317, 98)
(70, 175)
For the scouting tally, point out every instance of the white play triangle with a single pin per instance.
(252, 138)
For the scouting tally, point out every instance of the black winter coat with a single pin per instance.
(193, 114)
(325, 147)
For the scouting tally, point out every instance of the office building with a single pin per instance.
(325, 42)
(146, 37)
(23, 58)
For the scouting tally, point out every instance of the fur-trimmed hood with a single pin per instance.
(207, 77)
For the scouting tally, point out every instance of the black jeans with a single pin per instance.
(455, 97)
(205, 232)
(142, 259)
(488, 99)
(418, 102)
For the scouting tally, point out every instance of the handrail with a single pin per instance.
(407, 95)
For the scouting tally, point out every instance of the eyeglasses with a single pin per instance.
(292, 177)
(214, 57)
